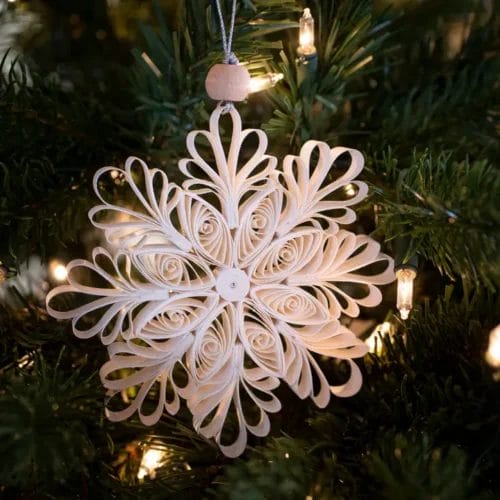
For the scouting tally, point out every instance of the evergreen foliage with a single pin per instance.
(447, 209)
(44, 432)
(412, 84)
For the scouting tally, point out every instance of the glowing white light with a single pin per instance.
(374, 341)
(263, 82)
(151, 460)
(306, 33)
(350, 190)
(25, 362)
(117, 177)
(493, 352)
(58, 271)
(405, 277)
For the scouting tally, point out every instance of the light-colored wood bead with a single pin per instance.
(228, 82)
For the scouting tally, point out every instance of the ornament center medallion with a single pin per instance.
(232, 284)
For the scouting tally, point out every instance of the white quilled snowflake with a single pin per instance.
(216, 291)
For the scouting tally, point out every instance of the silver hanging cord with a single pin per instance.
(227, 41)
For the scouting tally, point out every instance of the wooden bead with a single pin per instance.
(228, 82)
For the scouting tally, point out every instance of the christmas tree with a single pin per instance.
(412, 84)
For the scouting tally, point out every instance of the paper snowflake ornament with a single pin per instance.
(216, 291)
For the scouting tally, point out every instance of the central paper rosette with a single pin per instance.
(232, 285)
(230, 282)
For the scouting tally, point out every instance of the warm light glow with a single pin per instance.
(26, 361)
(350, 190)
(151, 460)
(405, 278)
(493, 352)
(58, 271)
(263, 82)
(117, 176)
(306, 33)
(374, 341)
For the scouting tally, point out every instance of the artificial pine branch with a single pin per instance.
(450, 209)
(349, 35)
(52, 143)
(46, 416)
(455, 111)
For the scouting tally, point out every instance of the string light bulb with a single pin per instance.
(374, 341)
(264, 82)
(306, 34)
(493, 352)
(58, 271)
(152, 459)
(406, 276)
(350, 190)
